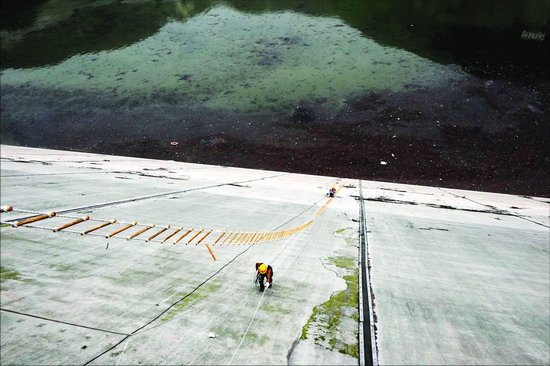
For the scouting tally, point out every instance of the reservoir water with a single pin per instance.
(447, 93)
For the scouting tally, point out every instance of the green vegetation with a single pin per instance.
(8, 274)
(344, 262)
(275, 308)
(200, 294)
(349, 235)
(60, 267)
(327, 318)
(258, 340)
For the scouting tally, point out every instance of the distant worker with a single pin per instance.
(264, 271)
(332, 191)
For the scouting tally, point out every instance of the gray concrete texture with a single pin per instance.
(458, 277)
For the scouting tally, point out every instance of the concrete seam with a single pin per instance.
(369, 335)
(137, 331)
(505, 213)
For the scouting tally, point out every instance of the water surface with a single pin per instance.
(434, 88)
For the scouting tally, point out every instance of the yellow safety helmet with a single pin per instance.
(263, 268)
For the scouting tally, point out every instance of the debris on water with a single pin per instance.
(303, 114)
(185, 77)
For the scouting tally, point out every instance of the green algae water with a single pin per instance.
(264, 83)
(222, 58)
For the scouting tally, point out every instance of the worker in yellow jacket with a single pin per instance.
(263, 272)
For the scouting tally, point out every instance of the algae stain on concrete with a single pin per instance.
(349, 235)
(259, 340)
(192, 299)
(275, 308)
(60, 267)
(327, 323)
(10, 274)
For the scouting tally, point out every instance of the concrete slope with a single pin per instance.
(458, 277)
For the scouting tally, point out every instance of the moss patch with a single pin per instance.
(257, 339)
(275, 308)
(326, 320)
(344, 262)
(9, 274)
(60, 267)
(198, 295)
(350, 235)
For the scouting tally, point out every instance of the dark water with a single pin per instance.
(446, 93)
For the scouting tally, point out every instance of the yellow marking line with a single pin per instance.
(227, 238)
(121, 229)
(140, 232)
(236, 232)
(98, 227)
(194, 236)
(157, 233)
(208, 233)
(183, 236)
(211, 252)
(78, 221)
(240, 237)
(233, 237)
(221, 236)
(171, 235)
(251, 240)
(242, 240)
(34, 219)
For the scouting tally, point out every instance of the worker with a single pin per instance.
(332, 191)
(264, 271)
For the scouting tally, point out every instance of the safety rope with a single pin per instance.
(248, 327)
(264, 292)
(124, 350)
(61, 322)
(175, 234)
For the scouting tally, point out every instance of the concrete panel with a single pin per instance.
(459, 277)
(459, 287)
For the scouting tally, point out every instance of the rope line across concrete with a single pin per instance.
(134, 199)
(61, 322)
(162, 233)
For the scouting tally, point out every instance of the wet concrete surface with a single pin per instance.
(334, 88)
(458, 277)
